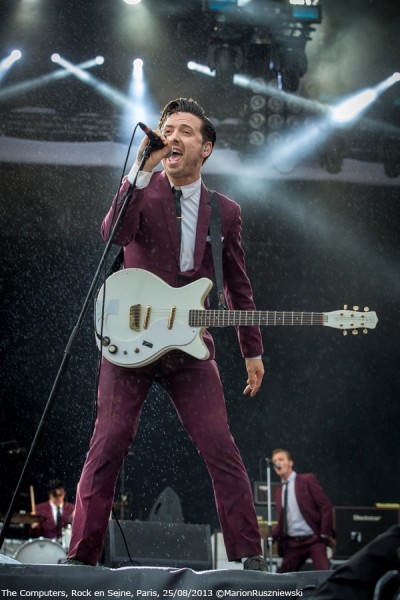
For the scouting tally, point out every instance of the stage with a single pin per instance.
(67, 581)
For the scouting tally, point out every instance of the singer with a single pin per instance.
(305, 517)
(176, 247)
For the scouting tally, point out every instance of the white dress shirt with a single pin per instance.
(297, 526)
(190, 201)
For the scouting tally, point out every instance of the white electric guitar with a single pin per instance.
(139, 318)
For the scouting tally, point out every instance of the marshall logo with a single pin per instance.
(375, 518)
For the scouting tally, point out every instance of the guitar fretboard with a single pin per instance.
(223, 318)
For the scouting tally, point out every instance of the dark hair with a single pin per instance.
(189, 105)
(55, 484)
(276, 450)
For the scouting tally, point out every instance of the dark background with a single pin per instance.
(312, 242)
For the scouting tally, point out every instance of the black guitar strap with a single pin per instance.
(216, 245)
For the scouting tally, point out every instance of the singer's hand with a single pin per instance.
(255, 372)
(156, 156)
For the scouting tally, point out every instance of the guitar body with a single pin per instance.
(134, 332)
(139, 318)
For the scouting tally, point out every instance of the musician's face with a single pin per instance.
(183, 131)
(58, 496)
(285, 465)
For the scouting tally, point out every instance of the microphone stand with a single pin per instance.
(269, 513)
(70, 344)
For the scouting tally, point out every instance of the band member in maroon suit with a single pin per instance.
(57, 512)
(305, 528)
(150, 238)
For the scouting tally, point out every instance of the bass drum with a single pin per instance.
(40, 551)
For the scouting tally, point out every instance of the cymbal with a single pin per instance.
(24, 519)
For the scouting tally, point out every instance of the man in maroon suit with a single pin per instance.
(56, 511)
(150, 238)
(305, 527)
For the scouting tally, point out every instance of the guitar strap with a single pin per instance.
(216, 246)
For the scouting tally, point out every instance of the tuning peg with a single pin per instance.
(366, 309)
(365, 331)
(354, 332)
(345, 307)
(345, 332)
(355, 307)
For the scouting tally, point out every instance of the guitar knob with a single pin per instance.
(354, 332)
(355, 307)
(345, 307)
(112, 349)
(366, 309)
(365, 331)
(345, 332)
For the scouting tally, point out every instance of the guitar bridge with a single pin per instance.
(134, 317)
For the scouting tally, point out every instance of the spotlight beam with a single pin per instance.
(7, 63)
(31, 84)
(311, 136)
(10, 60)
(112, 94)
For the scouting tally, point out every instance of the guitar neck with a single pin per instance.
(223, 318)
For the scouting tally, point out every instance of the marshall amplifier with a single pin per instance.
(356, 526)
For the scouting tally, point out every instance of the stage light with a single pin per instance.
(304, 2)
(356, 105)
(7, 62)
(257, 138)
(225, 59)
(141, 105)
(193, 66)
(31, 84)
(138, 69)
(350, 109)
(102, 88)
(387, 83)
(257, 102)
(133, 2)
(256, 120)
(99, 60)
(10, 60)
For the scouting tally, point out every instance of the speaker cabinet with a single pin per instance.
(357, 526)
(153, 544)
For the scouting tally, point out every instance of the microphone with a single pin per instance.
(154, 141)
(270, 462)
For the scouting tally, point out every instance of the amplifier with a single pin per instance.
(356, 526)
(153, 544)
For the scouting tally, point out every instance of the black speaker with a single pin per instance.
(357, 526)
(153, 544)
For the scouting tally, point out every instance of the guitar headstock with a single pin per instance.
(351, 319)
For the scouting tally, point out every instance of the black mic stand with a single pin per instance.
(70, 344)
(269, 514)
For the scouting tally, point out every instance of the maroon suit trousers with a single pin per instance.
(196, 392)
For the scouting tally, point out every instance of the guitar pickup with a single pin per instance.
(134, 317)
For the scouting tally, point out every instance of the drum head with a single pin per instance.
(40, 551)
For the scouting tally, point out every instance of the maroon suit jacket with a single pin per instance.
(314, 505)
(149, 235)
(48, 527)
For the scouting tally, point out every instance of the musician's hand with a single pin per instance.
(156, 155)
(255, 372)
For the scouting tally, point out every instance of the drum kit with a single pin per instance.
(38, 550)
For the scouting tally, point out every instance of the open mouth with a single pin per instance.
(175, 156)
